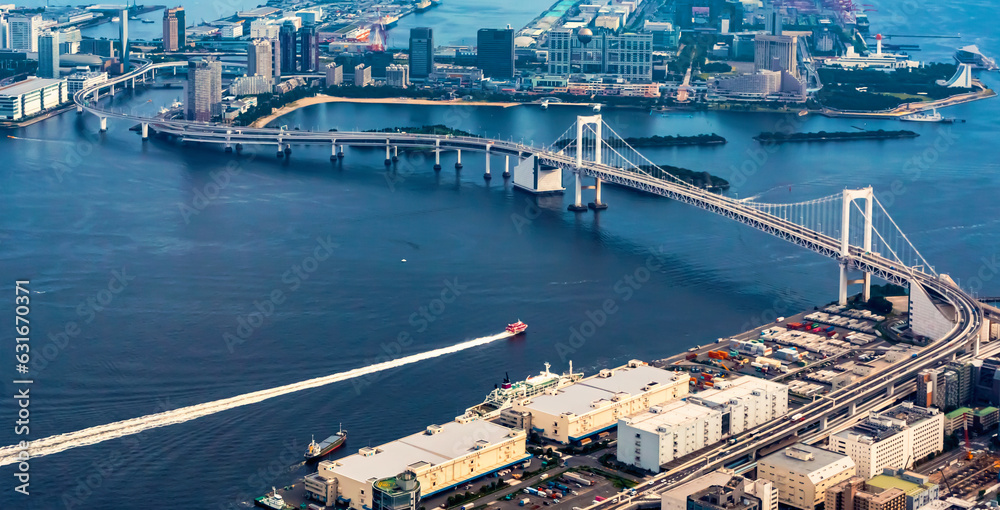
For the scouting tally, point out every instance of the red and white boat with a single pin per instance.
(516, 328)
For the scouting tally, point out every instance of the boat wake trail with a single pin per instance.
(94, 435)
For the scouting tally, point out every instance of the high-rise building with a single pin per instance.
(775, 53)
(773, 23)
(309, 47)
(666, 432)
(926, 387)
(4, 32)
(275, 57)
(626, 56)
(334, 74)
(966, 387)
(421, 52)
(204, 89)
(123, 37)
(897, 437)
(397, 76)
(854, 494)
(362, 75)
(259, 58)
(48, 55)
(173, 29)
(24, 32)
(495, 52)
(803, 473)
(286, 45)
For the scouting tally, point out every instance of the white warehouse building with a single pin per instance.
(748, 402)
(592, 405)
(664, 433)
(896, 437)
(441, 457)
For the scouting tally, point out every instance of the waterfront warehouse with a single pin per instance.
(441, 457)
(596, 403)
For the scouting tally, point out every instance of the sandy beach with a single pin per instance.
(308, 101)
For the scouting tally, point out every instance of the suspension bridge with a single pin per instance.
(851, 227)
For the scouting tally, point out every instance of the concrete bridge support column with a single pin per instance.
(388, 155)
(333, 151)
(852, 409)
(597, 205)
(890, 390)
(395, 153)
(437, 154)
(458, 164)
(506, 167)
(823, 423)
(842, 295)
(577, 204)
(104, 124)
(145, 131)
(281, 153)
(79, 109)
(228, 147)
(487, 175)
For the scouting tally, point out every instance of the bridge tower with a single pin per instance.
(582, 121)
(850, 196)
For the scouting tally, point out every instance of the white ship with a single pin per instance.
(972, 56)
(933, 116)
(504, 395)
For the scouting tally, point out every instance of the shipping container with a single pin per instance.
(523, 502)
(690, 356)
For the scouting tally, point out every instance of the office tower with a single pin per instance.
(926, 387)
(775, 53)
(259, 59)
(309, 47)
(773, 23)
(286, 43)
(421, 52)
(48, 55)
(495, 52)
(4, 32)
(123, 33)
(173, 29)
(24, 32)
(204, 89)
(627, 56)
(275, 56)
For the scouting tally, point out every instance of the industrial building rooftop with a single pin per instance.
(435, 445)
(580, 397)
(674, 413)
(815, 463)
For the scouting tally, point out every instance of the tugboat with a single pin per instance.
(517, 328)
(274, 501)
(316, 450)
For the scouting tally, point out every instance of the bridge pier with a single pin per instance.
(506, 167)
(852, 409)
(388, 156)
(597, 205)
(239, 148)
(228, 147)
(842, 295)
(79, 109)
(458, 164)
(145, 131)
(281, 153)
(487, 175)
(577, 205)
(104, 124)
(333, 151)
(824, 423)
(395, 153)
(437, 154)
(890, 390)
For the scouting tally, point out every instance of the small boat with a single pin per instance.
(597, 107)
(274, 501)
(328, 445)
(934, 116)
(545, 105)
(144, 20)
(516, 328)
(803, 113)
(115, 19)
